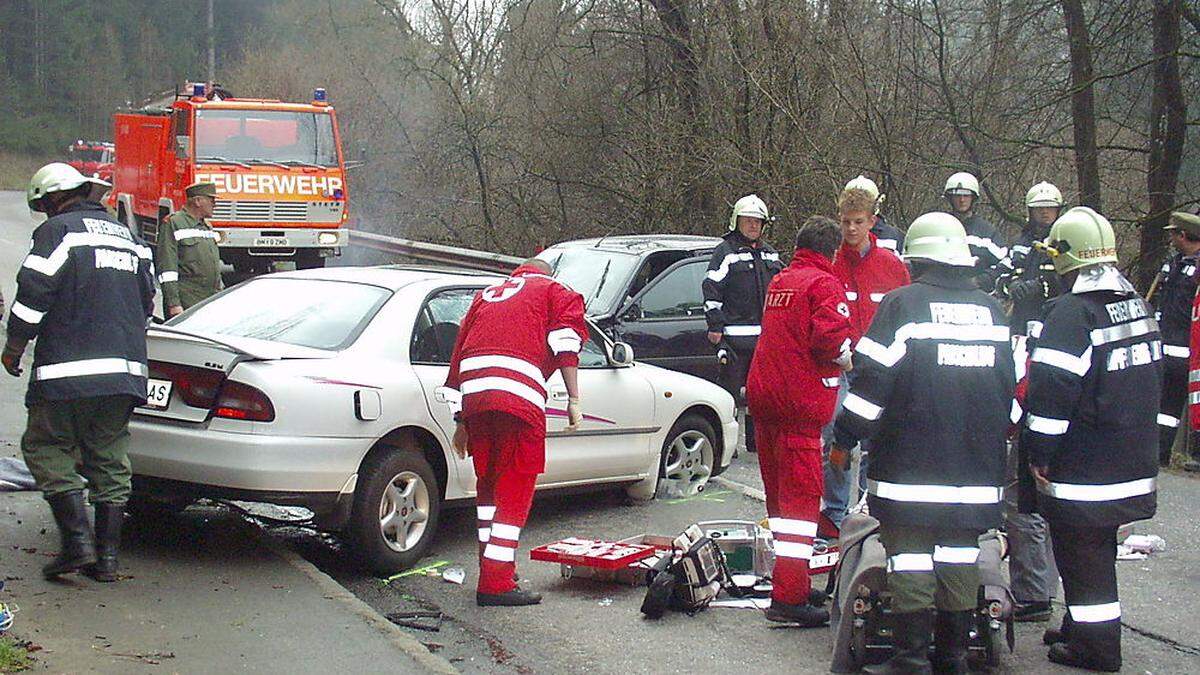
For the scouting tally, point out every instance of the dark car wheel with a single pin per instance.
(396, 508)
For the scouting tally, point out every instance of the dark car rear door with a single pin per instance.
(664, 322)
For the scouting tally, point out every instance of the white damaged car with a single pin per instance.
(318, 389)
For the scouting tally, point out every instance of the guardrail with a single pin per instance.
(436, 253)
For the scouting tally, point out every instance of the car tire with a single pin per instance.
(687, 461)
(413, 502)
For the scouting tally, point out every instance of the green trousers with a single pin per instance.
(931, 567)
(66, 442)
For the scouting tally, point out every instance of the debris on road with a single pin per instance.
(454, 575)
(420, 620)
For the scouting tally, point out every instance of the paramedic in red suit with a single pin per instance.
(791, 391)
(514, 336)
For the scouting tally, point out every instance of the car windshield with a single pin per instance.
(598, 275)
(265, 136)
(316, 313)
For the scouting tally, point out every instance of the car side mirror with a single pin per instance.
(622, 354)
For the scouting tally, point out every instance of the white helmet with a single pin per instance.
(750, 205)
(868, 186)
(940, 238)
(1043, 194)
(56, 177)
(962, 183)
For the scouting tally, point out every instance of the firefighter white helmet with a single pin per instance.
(962, 183)
(868, 186)
(56, 177)
(1043, 194)
(940, 238)
(750, 205)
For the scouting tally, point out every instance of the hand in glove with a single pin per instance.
(1025, 289)
(574, 413)
(13, 351)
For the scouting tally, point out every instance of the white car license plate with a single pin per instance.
(158, 394)
(270, 241)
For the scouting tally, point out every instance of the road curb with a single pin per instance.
(750, 492)
(335, 591)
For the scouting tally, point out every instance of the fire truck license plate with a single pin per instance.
(158, 394)
(270, 241)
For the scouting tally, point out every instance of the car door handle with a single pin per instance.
(558, 394)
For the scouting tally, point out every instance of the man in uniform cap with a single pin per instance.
(189, 264)
(1173, 307)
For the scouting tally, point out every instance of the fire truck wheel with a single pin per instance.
(396, 508)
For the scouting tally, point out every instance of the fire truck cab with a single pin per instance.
(281, 181)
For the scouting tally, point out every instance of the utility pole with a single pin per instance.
(212, 50)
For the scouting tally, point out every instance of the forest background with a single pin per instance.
(509, 125)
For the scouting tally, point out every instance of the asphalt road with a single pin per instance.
(585, 626)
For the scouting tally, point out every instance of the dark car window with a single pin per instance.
(437, 329)
(677, 294)
(437, 325)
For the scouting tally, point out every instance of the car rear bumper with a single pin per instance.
(729, 433)
(249, 462)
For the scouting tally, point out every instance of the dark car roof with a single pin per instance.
(644, 243)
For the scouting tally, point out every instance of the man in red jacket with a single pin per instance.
(513, 338)
(868, 272)
(792, 390)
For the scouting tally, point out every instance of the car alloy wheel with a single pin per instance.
(688, 459)
(404, 511)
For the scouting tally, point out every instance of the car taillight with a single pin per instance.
(197, 387)
(242, 402)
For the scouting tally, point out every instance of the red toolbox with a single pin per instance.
(624, 561)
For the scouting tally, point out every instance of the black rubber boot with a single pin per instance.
(514, 598)
(913, 632)
(817, 597)
(1053, 635)
(78, 551)
(951, 634)
(108, 539)
(1066, 654)
(806, 616)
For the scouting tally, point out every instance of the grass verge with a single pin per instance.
(15, 170)
(13, 657)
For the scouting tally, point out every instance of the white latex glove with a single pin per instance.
(574, 414)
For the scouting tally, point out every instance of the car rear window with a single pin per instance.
(317, 313)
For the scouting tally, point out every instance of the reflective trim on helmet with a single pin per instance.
(1099, 493)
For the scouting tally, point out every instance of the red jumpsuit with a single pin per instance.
(792, 391)
(514, 336)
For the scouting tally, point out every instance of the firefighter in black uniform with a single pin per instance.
(1028, 281)
(1090, 438)
(735, 288)
(1176, 289)
(935, 482)
(84, 293)
(986, 243)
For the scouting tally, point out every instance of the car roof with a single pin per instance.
(393, 277)
(644, 243)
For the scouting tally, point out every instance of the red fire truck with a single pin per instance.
(92, 158)
(281, 181)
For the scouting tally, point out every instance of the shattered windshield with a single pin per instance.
(598, 275)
